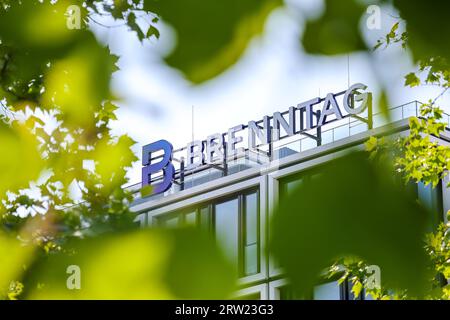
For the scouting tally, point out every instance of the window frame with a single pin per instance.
(274, 184)
(261, 289)
(208, 199)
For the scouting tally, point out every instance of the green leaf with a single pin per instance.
(20, 160)
(357, 288)
(146, 191)
(412, 80)
(144, 264)
(152, 31)
(394, 29)
(383, 105)
(32, 34)
(131, 21)
(336, 31)
(372, 144)
(13, 258)
(211, 35)
(351, 208)
(426, 27)
(79, 83)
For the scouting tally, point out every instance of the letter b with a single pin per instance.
(165, 165)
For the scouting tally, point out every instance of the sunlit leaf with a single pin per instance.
(112, 158)
(412, 80)
(13, 257)
(33, 33)
(79, 83)
(147, 264)
(20, 161)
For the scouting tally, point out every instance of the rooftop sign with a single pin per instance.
(218, 148)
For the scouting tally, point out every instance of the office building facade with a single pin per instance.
(236, 205)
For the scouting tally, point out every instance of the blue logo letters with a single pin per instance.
(165, 165)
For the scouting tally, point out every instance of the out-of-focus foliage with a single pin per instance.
(17, 146)
(211, 35)
(336, 31)
(432, 70)
(425, 24)
(57, 150)
(64, 172)
(147, 264)
(425, 160)
(344, 212)
(356, 272)
(394, 36)
(438, 248)
(13, 255)
(419, 157)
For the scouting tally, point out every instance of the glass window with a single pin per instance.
(327, 291)
(425, 195)
(251, 234)
(251, 296)
(227, 226)
(286, 293)
(430, 198)
(234, 224)
(172, 222)
(291, 185)
(205, 218)
(446, 197)
(190, 218)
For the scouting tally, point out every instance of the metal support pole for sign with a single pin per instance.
(182, 174)
(319, 130)
(225, 163)
(369, 111)
(270, 151)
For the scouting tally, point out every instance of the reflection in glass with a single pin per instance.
(251, 259)
(172, 222)
(226, 227)
(205, 218)
(327, 291)
(191, 218)
(251, 234)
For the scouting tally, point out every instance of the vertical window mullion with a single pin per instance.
(250, 227)
(242, 236)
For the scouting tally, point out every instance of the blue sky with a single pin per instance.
(273, 74)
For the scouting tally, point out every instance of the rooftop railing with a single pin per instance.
(329, 133)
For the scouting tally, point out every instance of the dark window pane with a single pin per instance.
(286, 293)
(291, 185)
(251, 218)
(425, 195)
(251, 259)
(252, 296)
(191, 218)
(226, 227)
(205, 218)
(430, 198)
(446, 197)
(172, 222)
(327, 291)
